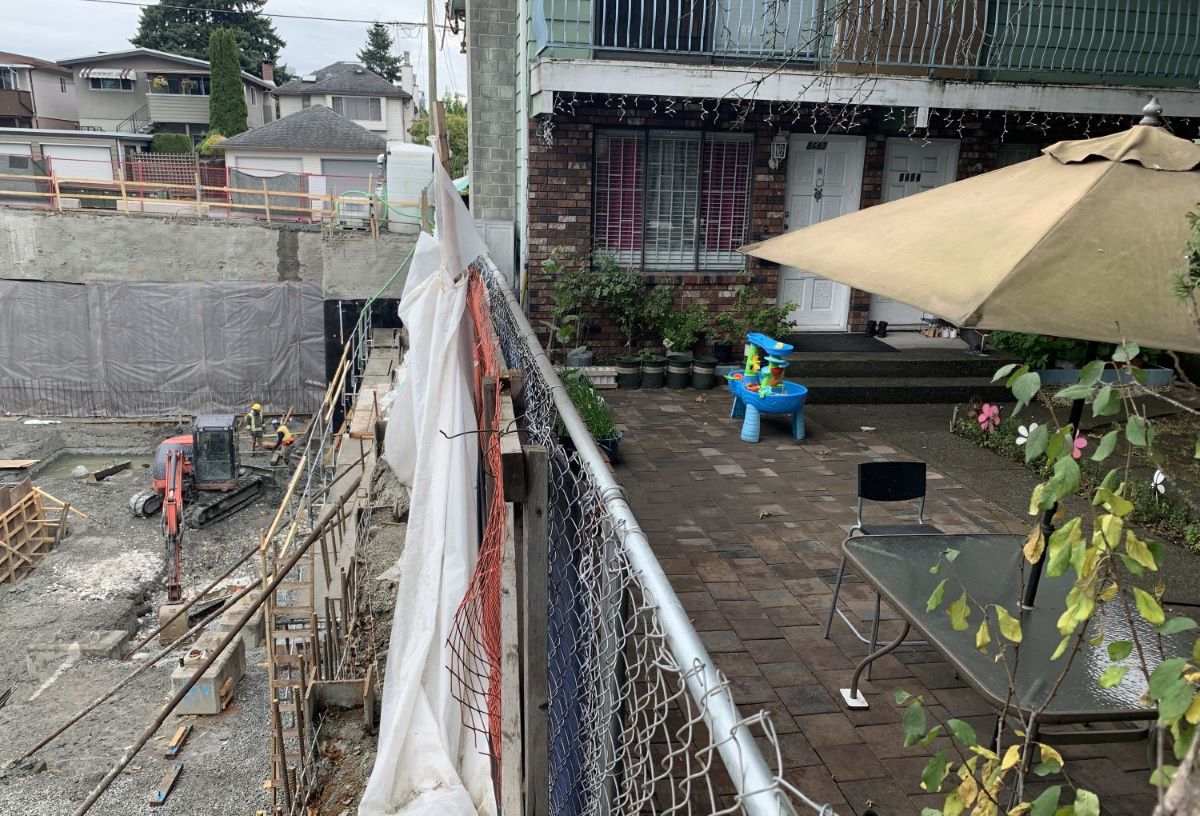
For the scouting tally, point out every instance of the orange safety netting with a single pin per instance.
(475, 639)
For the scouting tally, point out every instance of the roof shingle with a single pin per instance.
(315, 128)
(344, 78)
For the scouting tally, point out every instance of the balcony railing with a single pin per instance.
(16, 103)
(1114, 41)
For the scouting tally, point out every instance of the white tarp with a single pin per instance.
(429, 763)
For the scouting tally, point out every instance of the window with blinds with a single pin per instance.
(670, 200)
(360, 108)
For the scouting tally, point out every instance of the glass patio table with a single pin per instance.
(988, 568)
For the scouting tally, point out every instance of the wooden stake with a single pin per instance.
(266, 200)
(62, 503)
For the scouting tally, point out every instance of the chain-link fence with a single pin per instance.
(639, 719)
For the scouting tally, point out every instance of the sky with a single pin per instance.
(58, 29)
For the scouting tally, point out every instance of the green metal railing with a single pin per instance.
(1115, 41)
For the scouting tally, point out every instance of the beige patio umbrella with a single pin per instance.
(1067, 244)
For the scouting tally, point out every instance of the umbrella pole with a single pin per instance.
(1047, 522)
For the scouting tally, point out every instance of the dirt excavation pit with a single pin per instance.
(92, 597)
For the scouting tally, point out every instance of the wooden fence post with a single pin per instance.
(267, 200)
(534, 572)
(54, 181)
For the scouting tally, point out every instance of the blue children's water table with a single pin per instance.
(759, 388)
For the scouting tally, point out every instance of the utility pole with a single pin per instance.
(437, 116)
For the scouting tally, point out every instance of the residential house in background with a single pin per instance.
(313, 150)
(358, 94)
(35, 93)
(141, 90)
(671, 140)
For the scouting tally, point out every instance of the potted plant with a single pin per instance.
(595, 414)
(682, 329)
(726, 331)
(653, 367)
(621, 293)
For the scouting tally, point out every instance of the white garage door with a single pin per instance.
(80, 162)
(342, 175)
(15, 149)
(268, 166)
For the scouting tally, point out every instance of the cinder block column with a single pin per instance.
(492, 131)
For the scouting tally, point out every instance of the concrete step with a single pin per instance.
(900, 364)
(893, 390)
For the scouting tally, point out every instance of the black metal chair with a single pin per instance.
(883, 482)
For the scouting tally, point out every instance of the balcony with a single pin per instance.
(1122, 42)
(18, 104)
(168, 107)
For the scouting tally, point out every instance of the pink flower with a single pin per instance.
(988, 417)
(1080, 444)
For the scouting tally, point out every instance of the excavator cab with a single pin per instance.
(215, 452)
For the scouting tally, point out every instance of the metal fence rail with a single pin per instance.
(1091, 39)
(65, 398)
(640, 720)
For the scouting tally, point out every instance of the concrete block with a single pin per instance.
(254, 632)
(42, 659)
(205, 697)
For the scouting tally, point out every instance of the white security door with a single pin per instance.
(912, 167)
(80, 161)
(824, 181)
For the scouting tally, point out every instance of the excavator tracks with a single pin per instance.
(208, 508)
(145, 503)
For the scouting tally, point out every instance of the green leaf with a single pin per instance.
(902, 697)
(1010, 627)
(1196, 452)
(1074, 392)
(1163, 776)
(1045, 804)
(1112, 481)
(1148, 607)
(1035, 446)
(983, 636)
(950, 554)
(935, 597)
(1061, 542)
(1133, 566)
(1119, 650)
(933, 734)
(1086, 803)
(1025, 388)
(1106, 403)
(1016, 373)
(959, 612)
(1168, 688)
(1137, 549)
(1051, 761)
(1061, 648)
(930, 812)
(934, 773)
(1115, 504)
(1136, 430)
(1004, 371)
(1126, 351)
(1176, 625)
(962, 732)
(1111, 676)
(1091, 373)
(1108, 443)
(914, 724)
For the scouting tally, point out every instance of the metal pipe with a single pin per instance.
(233, 633)
(749, 771)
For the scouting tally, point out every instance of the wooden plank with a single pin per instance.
(534, 572)
(177, 741)
(366, 410)
(159, 795)
(17, 464)
(512, 774)
(512, 458)
(104, 472)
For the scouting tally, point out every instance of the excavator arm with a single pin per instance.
(172, 525)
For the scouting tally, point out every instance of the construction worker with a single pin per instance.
(283, 437)
(254, 424)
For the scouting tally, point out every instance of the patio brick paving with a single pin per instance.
(750, 537)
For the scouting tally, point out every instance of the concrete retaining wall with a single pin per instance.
(85, 248)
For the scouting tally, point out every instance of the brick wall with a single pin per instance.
(492, 129)
(560, 211)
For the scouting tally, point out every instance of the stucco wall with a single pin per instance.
(83, 248)
(53, 106)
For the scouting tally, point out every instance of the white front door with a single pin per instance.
(912, 167)
(824, 181)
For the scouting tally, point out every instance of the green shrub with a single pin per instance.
(591, 406)
(171, 143)
(1041, 351)
(227, 102)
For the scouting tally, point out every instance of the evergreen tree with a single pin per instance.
(227, 102)
(186, 31)
(377, 56)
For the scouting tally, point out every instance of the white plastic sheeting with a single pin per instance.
(429, 763)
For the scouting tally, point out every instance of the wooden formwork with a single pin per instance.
(28, 529)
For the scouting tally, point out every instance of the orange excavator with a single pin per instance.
(196, 482)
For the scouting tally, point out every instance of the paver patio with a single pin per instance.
(750, 536)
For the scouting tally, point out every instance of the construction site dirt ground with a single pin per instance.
(108, 575)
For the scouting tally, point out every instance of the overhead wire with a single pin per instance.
(136, 4)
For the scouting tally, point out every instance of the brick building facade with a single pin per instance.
(562, 176)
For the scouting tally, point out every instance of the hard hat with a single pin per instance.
(275, 422)
(256, 407)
